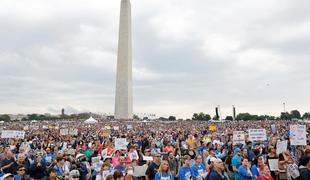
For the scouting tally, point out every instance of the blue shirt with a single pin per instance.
(185, 173)
(163, 176)
(197, 170)
(243, 171)
(236, 161)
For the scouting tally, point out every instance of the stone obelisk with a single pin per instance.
(123, 96)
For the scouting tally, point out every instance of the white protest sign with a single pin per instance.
(121, 143)
(281, 146)
(139, 171)
(238, 137)
(73, 131)
(129, 126)
(257, 135)
(116, 128)
(12, 134)
(298, 135)
(273, 129)
(95, 159)
(64, 132)
(273, 164)
(292, 170)
(147, 158)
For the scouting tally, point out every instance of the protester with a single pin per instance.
(304, 168)
(217, 171)
(185, 171)
(163, 172)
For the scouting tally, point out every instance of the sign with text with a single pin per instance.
(238, 137)
(273, 164)
(63, 132)
(129, 126)
(257, 135)
(281, 146)
(298, 135)
(73, 131)
(121, 143)
(10, 134)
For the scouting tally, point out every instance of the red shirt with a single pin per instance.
(265, 178)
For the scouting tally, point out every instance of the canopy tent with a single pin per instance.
(91, 120)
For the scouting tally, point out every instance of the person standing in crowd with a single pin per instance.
(118, 175)
(236, 162)
(7, 162)
(163, 172)
(272, 155)
(153, 168)
(185, 171)
(60, 166)
(173, 164)
(121, 165)
(265, 174)
(217, 171)
(20, 173)
(244, 170)
(198, 169)
(304, 168)
(48, 157)
(37, 169)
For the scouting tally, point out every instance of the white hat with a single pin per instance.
(79, 155)
(212, 159)
(74, 173)
(6, 175)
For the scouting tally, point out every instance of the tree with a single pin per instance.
(244, 116)
(172, 118)
(306, 115)
(5, 118)
(201, 117)
(285, 116)
(136, 117)
(163, 119)
(229, 118)
(295, 114)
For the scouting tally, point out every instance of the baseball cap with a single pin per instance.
(6, 176)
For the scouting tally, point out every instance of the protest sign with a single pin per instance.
(12, 134)
(212, 128)
(73, 131)
(139, 171)
(129, 126)
(116, 128)
(257, 135)
(292, 170)
(107, 127)
(273, 129)
(95, 160)
(238, 137)
(121, 143)
(147, 158)
(298, 135)
(63, 132)
(273, 164)
(281, 146)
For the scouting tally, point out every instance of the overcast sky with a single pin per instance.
(188, 56)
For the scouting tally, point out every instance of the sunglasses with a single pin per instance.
(22, 170)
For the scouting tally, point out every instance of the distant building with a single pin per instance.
(62, 112)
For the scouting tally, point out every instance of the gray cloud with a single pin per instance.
(189, 56)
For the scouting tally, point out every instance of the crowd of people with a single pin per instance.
(154, 150)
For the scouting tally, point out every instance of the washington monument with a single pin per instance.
(123, 95)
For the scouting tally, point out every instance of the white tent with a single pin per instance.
(91, 120)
